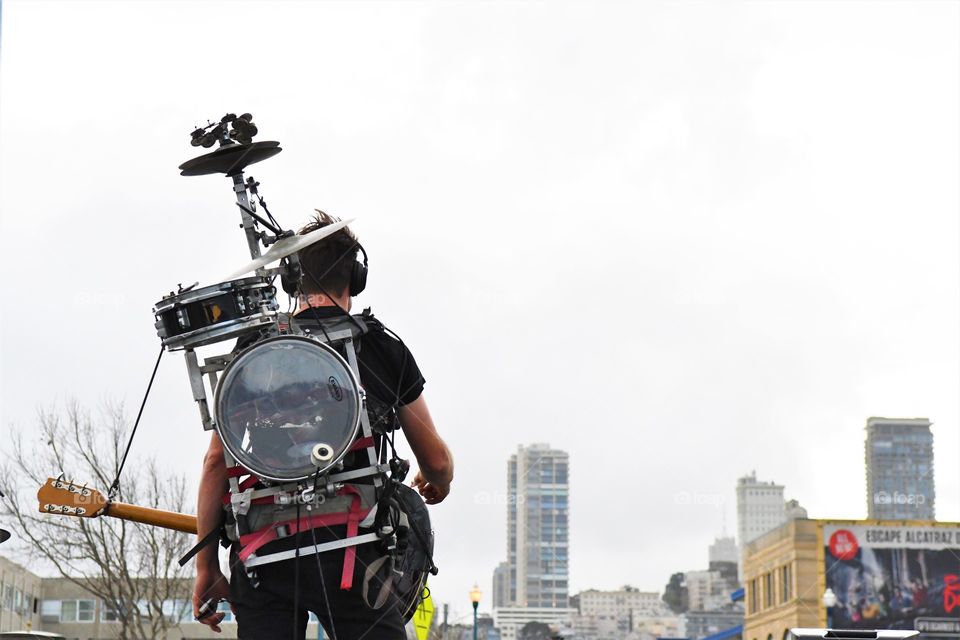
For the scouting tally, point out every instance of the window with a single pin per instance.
(785, 586)
(767, 590)
(77, 610)
(50, 611)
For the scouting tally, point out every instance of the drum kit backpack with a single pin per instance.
(288, 406)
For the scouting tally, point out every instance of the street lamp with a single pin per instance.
(475, 599)
(829, 601)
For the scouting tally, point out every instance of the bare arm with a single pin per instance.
(210, 582)
(213, 485)
(433, 456)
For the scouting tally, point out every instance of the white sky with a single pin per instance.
(679, 240)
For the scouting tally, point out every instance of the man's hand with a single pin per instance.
(210, 584)
(432, 492)
(433, 457)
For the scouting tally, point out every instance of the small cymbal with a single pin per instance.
(230, 159)
(288, 246)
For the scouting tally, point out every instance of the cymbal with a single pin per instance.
(230, 159)
(288, 246)
(4, 535)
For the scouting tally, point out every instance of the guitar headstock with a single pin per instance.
(67, 498)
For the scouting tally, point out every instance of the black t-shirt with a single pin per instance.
(388, 371)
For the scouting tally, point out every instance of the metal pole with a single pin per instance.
(475, 620)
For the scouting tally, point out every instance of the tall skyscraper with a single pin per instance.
(760, 508)
(538, 546)
(899, 459)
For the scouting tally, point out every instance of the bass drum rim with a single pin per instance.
(218, 409)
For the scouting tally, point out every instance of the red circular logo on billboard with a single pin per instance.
(844, 545)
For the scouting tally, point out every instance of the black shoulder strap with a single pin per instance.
(357, 325)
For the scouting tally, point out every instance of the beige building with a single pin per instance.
(612, 614)
(880, 573)
(19, 597)
(781, 578)
(57, 605)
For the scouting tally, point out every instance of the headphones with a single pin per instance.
(358, 274)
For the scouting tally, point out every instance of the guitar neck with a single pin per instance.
(156, 517)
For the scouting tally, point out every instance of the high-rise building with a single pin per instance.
(760, 508)
(501, 585)
(537, 527)
(899, 460)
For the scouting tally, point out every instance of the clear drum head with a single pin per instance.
(288, 407)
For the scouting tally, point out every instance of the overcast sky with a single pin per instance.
(681, 241)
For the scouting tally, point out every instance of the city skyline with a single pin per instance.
(749, 208)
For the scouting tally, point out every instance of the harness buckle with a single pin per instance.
(241, 502)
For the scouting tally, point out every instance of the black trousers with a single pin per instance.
(268, 612)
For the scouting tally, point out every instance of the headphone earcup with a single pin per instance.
(358, 278)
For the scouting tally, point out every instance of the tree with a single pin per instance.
(534, 630)
(675, 594)
(131, 567)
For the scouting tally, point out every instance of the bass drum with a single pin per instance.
(199, 317)
(288, 408)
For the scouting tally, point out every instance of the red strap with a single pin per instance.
(353, 524)
(250, 543)
(362, 443)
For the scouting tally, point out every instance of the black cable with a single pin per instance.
(116, 481)
(274, 228)
(296, 575)
(323, 585)
(263, 203)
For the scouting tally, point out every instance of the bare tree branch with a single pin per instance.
(131, 567)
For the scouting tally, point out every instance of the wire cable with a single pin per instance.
(296, 577)
(115, 486)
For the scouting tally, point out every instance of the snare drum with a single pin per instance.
(218, 312)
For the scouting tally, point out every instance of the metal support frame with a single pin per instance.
(255, 561)
(286, 493)
(248, 224)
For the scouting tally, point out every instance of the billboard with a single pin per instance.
(894, 576)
